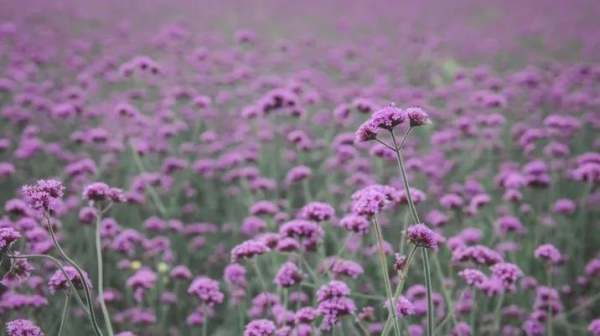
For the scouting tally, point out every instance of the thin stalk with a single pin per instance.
(400, 161)
(86, 288)
(447, 296)
(153, 194)
(60, 267)
(497, 315)
(361, 326)
(205, 322)
(385, 275)
(388, 324)
(100, 265)
(263, 283)
(63, 316)
(549, 319)
(427, 271)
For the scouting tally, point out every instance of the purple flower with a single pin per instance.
(298, 174)
(7, 236)
(388, 117)
(235, 274)
(421, 235)
(248, 249)
(473, 277)
(317, 211)
(181, 272)
(99, 191)
(288, 275)
(44, 194)
(141, 281)
(548, 253)
(58, 281)
(206, 290)
(507, 273)
(461, 329)
(310, 233)
(417, 116)
(404, 307)
(564, 206)
(355, 223)
(260, 327)
(371, 200)
(594, 327)
(20, 270)
(306, 315)
(23, 328)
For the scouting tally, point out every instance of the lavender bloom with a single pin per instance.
(58, 281)
(334, 302)
(564, 206)
(297, 174)
(23, 328)
(473, 277)
(260, 328)
(373, 199)
(20, 270)
(309, 232)
(548, 253)
(248, 249)
(594, 327)
(355, 223)
(7, 236)
(317, 211)
(508, 273)
(461, 329)
(288, 275)
(99, 191)
(206, 290)
(388, 117)
(421, 235)
(404, 307)
(143, 280)
(44, 194)
(235, 274)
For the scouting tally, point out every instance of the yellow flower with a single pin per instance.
(163, 267)
(135, 265)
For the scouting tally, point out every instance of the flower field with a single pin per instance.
(297, 168)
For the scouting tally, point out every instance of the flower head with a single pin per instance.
(23, 328)
(421, 235)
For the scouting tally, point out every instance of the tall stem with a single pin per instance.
(385, 275)
(60, 267)
(63, 316)
(100, 265)
(400, 287)
(427, 271)
(86, 289)
(400, 160)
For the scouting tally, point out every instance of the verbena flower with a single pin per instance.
(23, 328)
(206, 290)
(421, 235)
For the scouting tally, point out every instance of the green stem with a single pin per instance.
(60, 267)
(86, 288)
(263, 283)
(427, 271)
(153, 194)
(100, 265)
(497, 314)
(63, 316)
(385, 275)
(401, 165)
(205, 322)
(388, 324)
